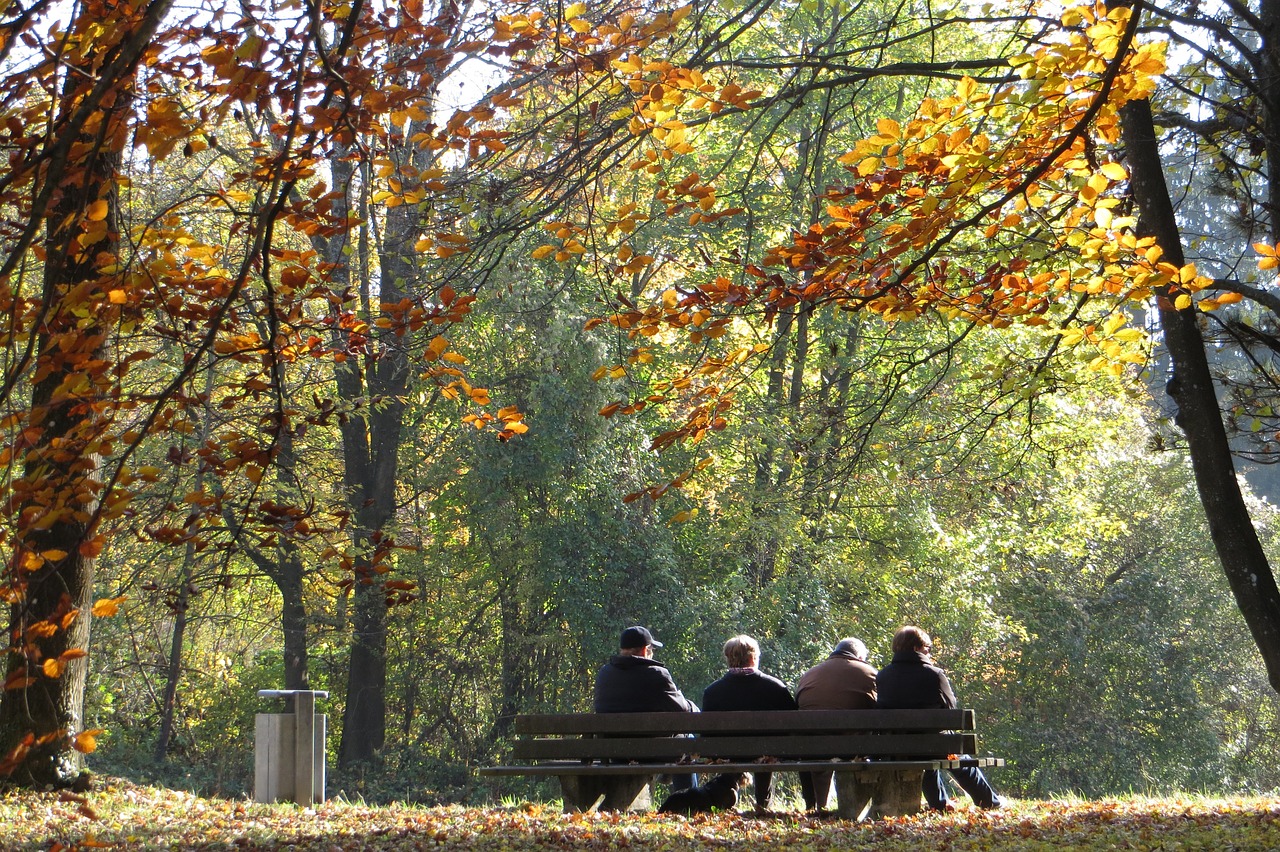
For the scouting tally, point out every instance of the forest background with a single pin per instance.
(408, 352)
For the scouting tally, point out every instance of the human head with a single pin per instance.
(636, 640)
(910, 638)
(741, 652)
(850, 647)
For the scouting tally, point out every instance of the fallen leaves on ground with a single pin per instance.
(120, 815)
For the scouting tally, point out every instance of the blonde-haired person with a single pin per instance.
(913, 681)
(745, 687)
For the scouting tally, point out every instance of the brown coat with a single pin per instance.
(837, 683)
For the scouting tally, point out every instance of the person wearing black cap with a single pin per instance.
(634, 682)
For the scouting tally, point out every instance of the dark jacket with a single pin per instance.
(754, 691)
(840, 682)
(636, 685)
(911, 681)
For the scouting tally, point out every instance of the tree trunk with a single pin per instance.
(168, 701)
(1269, 95)
(60, 488)
(56, 499)
(373, 387)
(1243, 560)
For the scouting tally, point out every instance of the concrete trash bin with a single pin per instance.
(288, 749)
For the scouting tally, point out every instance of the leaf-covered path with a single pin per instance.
(123, 816)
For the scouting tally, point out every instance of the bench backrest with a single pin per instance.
(794, 734)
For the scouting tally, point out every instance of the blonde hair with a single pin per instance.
(741, 651)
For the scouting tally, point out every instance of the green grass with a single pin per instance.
(119, 815)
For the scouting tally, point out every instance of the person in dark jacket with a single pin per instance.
(634, 682)
(843, 681)
(912, 681)
(745, 687)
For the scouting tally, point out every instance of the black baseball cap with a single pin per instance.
(638, 637)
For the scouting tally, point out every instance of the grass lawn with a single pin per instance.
(120, 815)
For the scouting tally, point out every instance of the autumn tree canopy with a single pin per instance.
(238, 240)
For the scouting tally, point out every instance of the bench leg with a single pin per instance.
(898, 794)
(854, 795)
(606, 792)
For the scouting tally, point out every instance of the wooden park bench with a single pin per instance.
(607, 761)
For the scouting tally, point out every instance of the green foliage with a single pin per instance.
(877, 474)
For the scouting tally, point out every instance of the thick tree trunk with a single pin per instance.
(56, 500)
(373, 386)
(364, 718)
(294, 626)
(60, 490)
(1243, 560)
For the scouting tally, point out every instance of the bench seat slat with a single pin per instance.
(577, 768)
(755, 721)
(799, 746)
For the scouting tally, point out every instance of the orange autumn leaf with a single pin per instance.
(86, 741)
(107, 607)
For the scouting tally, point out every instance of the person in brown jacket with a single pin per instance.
(843, 681)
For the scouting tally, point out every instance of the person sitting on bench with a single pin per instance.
(843, 681)
(634, 682)
(913, 681)
(745, 687)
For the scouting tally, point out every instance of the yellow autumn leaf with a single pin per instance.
(1114, 171)
(97, 211)
(1182, 302)
(888, 127)
(107, 607)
